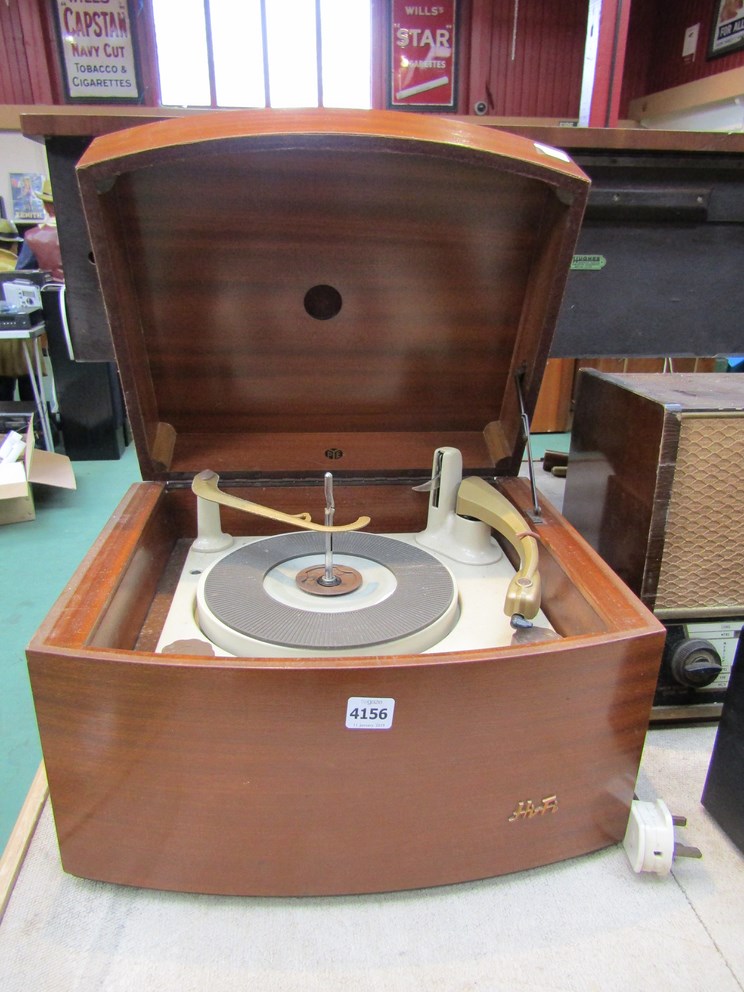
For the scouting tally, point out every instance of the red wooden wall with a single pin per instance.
(654, 60)
(526, 59)
(529, 69)
(25, 55)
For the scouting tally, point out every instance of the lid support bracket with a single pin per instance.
(536, 514)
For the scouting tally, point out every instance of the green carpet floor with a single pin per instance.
(38, 558)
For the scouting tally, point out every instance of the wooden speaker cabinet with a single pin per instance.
(291, 293)
(652, 485)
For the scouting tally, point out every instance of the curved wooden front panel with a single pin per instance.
(240, 775)
(227, 779)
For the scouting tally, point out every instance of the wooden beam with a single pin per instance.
(700, 93)
(610, 63)
(20, 838)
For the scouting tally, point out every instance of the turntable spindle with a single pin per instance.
(329, 578)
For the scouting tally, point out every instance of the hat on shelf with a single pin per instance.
(8, 231)
(46, 192)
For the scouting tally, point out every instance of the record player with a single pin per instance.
(332, 644)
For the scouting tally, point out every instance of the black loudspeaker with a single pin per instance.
(723, 794)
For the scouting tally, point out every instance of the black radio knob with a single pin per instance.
(694, 662)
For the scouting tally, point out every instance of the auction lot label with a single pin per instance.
(97, 50)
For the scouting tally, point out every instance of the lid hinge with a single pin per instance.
(535, 514)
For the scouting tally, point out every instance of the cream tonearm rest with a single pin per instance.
(210, 534)
(205, 485)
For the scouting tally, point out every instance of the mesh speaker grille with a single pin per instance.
(701, 565)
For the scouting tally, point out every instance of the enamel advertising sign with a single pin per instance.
(98, 50)
(727, 32)
(422, 55)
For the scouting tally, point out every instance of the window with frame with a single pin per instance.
(264, 53)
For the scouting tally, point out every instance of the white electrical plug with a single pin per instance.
(649, 840)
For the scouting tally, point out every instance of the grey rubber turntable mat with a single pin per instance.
(234, 592)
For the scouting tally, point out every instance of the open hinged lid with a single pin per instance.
(293, 291)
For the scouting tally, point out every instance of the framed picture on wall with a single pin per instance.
(727, 29)
(25, 188)
(98, 51)
(422, 56)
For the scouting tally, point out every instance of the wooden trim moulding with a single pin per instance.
(689, 96)
(20, 837)
(11, 114)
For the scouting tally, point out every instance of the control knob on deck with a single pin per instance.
(693, 662)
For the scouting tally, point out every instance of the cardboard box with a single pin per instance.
(33, 465)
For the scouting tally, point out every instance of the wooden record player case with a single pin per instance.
(292, 292)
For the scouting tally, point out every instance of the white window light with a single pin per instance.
(237, 53)
(237, 47)
(183, 63)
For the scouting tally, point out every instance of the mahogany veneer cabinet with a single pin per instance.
(650, 486)
(217, 240)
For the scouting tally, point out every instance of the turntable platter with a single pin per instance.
(307, 594)
(407, 598)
